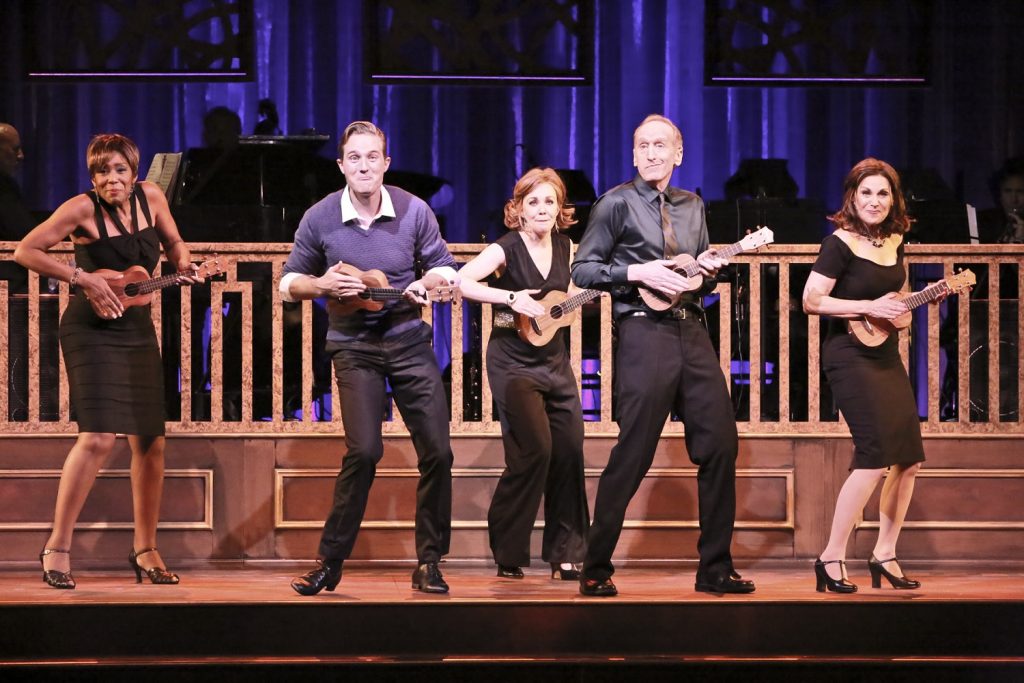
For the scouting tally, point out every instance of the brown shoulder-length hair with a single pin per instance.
(897, 222)
(106, 145)
(527, 184)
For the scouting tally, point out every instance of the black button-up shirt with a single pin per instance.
(625, 228)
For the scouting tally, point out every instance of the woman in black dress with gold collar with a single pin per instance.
(110, 352)
(534, 386)
(858, 273)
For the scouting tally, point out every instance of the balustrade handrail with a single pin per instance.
(766, 349)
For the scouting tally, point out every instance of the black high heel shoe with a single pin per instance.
(898, 582)
(157, 575)
(824, 581)
(509, 571)
(560, 573)
(55, 578)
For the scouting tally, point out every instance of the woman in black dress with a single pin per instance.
(858, 272)
(534, 386)
(110, 352)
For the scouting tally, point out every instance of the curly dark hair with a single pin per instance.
(896, 223)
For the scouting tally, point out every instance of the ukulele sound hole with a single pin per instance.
(132, 289)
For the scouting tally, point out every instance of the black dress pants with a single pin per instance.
(362, 367)
(663, 365)
(542, 432)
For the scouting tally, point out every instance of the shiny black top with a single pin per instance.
(624, 228)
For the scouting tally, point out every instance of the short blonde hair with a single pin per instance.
(362, 128)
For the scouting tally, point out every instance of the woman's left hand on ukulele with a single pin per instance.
(416, 293)
(190, 275)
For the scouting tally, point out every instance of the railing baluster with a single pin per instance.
(786, 257)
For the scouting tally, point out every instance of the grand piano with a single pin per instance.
(256, 191)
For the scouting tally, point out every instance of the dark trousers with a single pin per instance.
(408, 363)
(663, 365)
(542, 431)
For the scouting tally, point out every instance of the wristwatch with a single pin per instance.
(511, 298)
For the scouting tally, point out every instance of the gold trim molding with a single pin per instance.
(206, 524)
(280, 474)
(952, 473)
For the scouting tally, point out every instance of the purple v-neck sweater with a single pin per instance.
(396, 246)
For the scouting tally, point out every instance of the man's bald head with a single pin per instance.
(11, 155)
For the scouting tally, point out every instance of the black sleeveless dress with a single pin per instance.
(114, 370)
(870, 384)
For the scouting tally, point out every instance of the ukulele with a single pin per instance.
(871, 331)
(135, 287)
(687, 266)
(378, 291)
(560, 311)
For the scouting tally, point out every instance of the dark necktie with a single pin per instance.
(671, 246)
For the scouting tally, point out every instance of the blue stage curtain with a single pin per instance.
(648, 58)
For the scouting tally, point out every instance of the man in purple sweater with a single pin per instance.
(372, 226)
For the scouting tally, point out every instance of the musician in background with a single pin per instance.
(664, 360)
(372, 226)
(858, 273)
(533, 385)
(110, 351)
(1005, 223)
(15, 218)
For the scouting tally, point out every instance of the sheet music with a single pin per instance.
(972, 224)
(163, 171)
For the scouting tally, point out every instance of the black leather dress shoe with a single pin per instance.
(427, 578)
(723, 583)
(510, 571)
(598, 588)
(326, 576)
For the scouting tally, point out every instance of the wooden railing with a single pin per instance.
(260, 369)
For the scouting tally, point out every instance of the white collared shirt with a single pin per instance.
(349, 213)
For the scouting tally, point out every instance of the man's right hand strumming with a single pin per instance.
(337, 284)
(659, 276)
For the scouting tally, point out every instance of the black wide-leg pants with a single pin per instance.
(542, 432)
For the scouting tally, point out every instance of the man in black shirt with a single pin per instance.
(664, 359)
(15, 218)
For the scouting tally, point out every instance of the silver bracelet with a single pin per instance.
(73, 282)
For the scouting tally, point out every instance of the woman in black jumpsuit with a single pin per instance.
(110, 352)
(858, 272)
(534, 386)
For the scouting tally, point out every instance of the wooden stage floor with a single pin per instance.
(965, 623)
(389, 584)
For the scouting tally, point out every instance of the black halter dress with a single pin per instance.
(114, 370)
